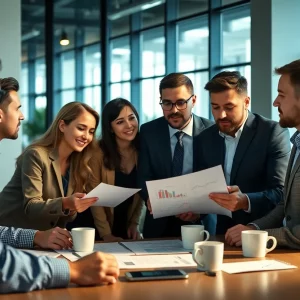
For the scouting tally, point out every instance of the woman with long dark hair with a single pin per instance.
(116, 165)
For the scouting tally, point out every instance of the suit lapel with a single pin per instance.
(163, 143)
(247, 135)
(198, 126)
(56, 168)
(290, 173)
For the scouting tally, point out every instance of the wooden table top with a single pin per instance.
(282, 284)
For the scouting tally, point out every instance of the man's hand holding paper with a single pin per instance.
(188, 195)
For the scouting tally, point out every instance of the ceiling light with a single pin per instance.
(64, 40)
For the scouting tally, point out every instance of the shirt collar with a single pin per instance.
(188, 129)
(295, 139)
(237, 134)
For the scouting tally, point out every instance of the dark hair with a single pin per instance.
(107, 143)
(6, 86)
(175, 80)
(227, 80)
(293, 70)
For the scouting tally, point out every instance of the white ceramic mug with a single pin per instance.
(254, 243)
(190, 234)
(83, 239)
(208, 255)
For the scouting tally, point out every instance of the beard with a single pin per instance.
(290, 121)
(228, 129)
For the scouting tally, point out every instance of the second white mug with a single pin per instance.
(208, 255)
(254, 243)
(83, 239)
(190, 234)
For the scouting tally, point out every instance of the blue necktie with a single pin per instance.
(177, 163)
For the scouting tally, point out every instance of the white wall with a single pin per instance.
(10, 55)
(274, 42)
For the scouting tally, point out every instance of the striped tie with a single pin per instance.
(177, 163)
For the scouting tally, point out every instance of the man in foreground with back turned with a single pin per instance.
(21, 271)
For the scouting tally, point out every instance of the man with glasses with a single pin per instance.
(167, 148)
(253, 151)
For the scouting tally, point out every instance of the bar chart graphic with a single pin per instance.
(165, 194)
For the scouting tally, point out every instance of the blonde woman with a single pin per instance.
(116, 165)
(53, 173)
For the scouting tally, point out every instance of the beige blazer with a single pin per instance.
(104, 216)
(33, 197)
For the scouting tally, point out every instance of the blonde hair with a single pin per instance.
(80, 161)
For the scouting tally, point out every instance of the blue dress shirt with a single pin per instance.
(24, 272)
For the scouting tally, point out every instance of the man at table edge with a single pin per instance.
(283, 222)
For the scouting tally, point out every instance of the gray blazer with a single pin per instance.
(33, 197)
(288, 208)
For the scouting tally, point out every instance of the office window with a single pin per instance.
(193, 44)
(236, 41)
(199, 80)
(40, 76)
(191, 7)
(153, 52)
(120, 59)
(68, 69)
(120, 90)
(92, 67)
(92, 97)
(67, 96)
(24, 79)
(150, 100)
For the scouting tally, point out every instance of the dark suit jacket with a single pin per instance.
(155, 162)
(259, 165)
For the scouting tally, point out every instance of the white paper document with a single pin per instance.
(111, 248)
(155, 261)
(255, 266)
(110, 195)
(188, 193)
(71, 255)
(155, 247)
(41, 252)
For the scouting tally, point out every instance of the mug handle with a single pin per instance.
(274, 243)
(195, 252)
(207, 235)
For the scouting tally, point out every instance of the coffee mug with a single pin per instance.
(83, 239)
(254, 243)
(208, 255)
(190, 234)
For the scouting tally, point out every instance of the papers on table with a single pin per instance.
(111, 248)
(130, 249)
(186, 193)
(71, 255)
(155, 261)
(41, 253)
(254, 266)
(110, 195)
(155, 247)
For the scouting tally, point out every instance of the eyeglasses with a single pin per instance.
(180, 104)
